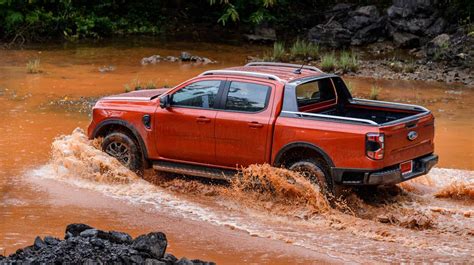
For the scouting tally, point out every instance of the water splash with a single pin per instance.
(273, 202)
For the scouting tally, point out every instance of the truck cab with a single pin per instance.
(285, 115)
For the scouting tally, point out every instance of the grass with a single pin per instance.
(279, 52)
(328, 62)
(400, 67)
(374, 92)
(137, 84)
(348, 62)
(33, 66)
(303, 49)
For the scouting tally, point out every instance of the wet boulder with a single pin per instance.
(120, 237)
(89, 233)
(39, 243)
(185, 56)
(51, 240)
(332, 35)
(262, 33)
(405, 40)
(368, 11)
(338, 11)
(153, 243)
(76, 229)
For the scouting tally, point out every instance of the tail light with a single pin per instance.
(374, 145)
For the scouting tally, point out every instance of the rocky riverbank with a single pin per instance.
(84, 244)
(409, 40)
(436, 49)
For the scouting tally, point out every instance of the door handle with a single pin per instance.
(203, 119)
(255, 124)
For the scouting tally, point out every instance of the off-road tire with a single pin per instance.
(125, 149)
(317, 171)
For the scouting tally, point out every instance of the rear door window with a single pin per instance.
(201, 94)
(247, 97)
(314, 92)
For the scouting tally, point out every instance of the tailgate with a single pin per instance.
(408, 140)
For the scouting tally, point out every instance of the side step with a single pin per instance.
(194, 170)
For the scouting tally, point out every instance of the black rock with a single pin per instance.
(357, 22)
(200, 262)
(370, 34)
(185, 56)
(39, 243)
(89, 233)
(368, 11)
(184, 261)
(76, 229)
(332, 35)
(136, 259)
(155, 262)
(97, 247)
(120, 237)
(169, 258)
(437, 27)
(153, 243)
(51, 240)
(97, 242)
(406, 40)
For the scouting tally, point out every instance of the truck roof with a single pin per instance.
(277, 71)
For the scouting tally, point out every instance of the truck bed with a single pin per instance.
(377, 111)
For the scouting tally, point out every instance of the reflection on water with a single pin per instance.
(45, 186)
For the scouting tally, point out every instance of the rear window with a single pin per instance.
(314, 92)
(247, 97)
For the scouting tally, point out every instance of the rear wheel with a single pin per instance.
(317, 171)
(123, 147)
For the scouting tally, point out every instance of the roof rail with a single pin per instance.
(244, 73)
(289, 65)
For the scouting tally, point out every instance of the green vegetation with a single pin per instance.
(279, 52)
(348, 62)
(374, 92)
(302, 49)
(33, 66)
(137, 84)
(22, 21)
(328, 62)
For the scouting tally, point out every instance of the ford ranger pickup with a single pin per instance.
(286, 115)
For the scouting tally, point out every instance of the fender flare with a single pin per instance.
(127, 125)
(311, 146)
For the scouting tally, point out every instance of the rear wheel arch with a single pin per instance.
(295, 151)
(103, 128)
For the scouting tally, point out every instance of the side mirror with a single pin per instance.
(165, 101)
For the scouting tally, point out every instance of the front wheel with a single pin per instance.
(317, 172)
(121, 146)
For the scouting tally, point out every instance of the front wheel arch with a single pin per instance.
(111, 125)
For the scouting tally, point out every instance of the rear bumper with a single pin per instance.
(390, 175)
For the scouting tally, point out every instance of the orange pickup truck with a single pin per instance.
(285, 115)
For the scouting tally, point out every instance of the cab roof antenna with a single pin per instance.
(298, 71)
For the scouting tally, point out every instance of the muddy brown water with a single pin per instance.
(46, 184)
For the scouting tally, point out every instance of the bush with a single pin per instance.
(278, 51)
(348, 62)
(374, 92)
(302, 49)
(33, 66)
(328, 62)
(137, 84)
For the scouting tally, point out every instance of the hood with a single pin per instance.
(139, 95)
